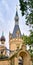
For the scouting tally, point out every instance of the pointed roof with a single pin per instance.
(16, 10)
(2, 37)
(16, 31)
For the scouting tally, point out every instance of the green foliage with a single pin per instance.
(26, 39)
(31, 54)
(31, 51)
(29, 18)
(31, 36)
(26, 7)
(23, 6)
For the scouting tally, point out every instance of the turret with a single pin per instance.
(2, 39)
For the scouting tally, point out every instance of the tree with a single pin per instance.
(26, 7)
(26, 39)
(29, 42)
(31, 36)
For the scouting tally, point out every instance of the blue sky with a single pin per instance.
(7, 14)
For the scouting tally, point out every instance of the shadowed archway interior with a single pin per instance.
(22, 58)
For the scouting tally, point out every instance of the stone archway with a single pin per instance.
(25, 58)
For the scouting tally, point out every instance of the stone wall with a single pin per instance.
(4, 62)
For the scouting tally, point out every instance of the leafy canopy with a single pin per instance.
(26, 7)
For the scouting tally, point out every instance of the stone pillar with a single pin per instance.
(16, 61)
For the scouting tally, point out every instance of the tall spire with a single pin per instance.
(16, 10)
(16, 31)
(16, 17)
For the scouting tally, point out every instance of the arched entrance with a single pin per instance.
(20, 60)
(23, 58)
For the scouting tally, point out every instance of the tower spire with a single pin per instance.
(16, 16)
